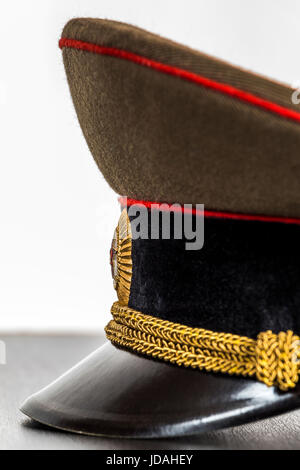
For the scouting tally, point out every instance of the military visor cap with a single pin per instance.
(205, 336)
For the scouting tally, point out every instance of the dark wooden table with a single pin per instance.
(34, 361)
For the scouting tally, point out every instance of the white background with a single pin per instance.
(57, 213)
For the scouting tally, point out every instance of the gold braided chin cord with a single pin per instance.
(273, 358)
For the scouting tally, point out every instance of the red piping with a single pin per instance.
(211, 214)
(185, 75)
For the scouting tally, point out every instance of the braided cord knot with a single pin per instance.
(273, 359)
(276, 359)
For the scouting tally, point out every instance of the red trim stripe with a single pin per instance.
(211, 214)
(185, 75)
